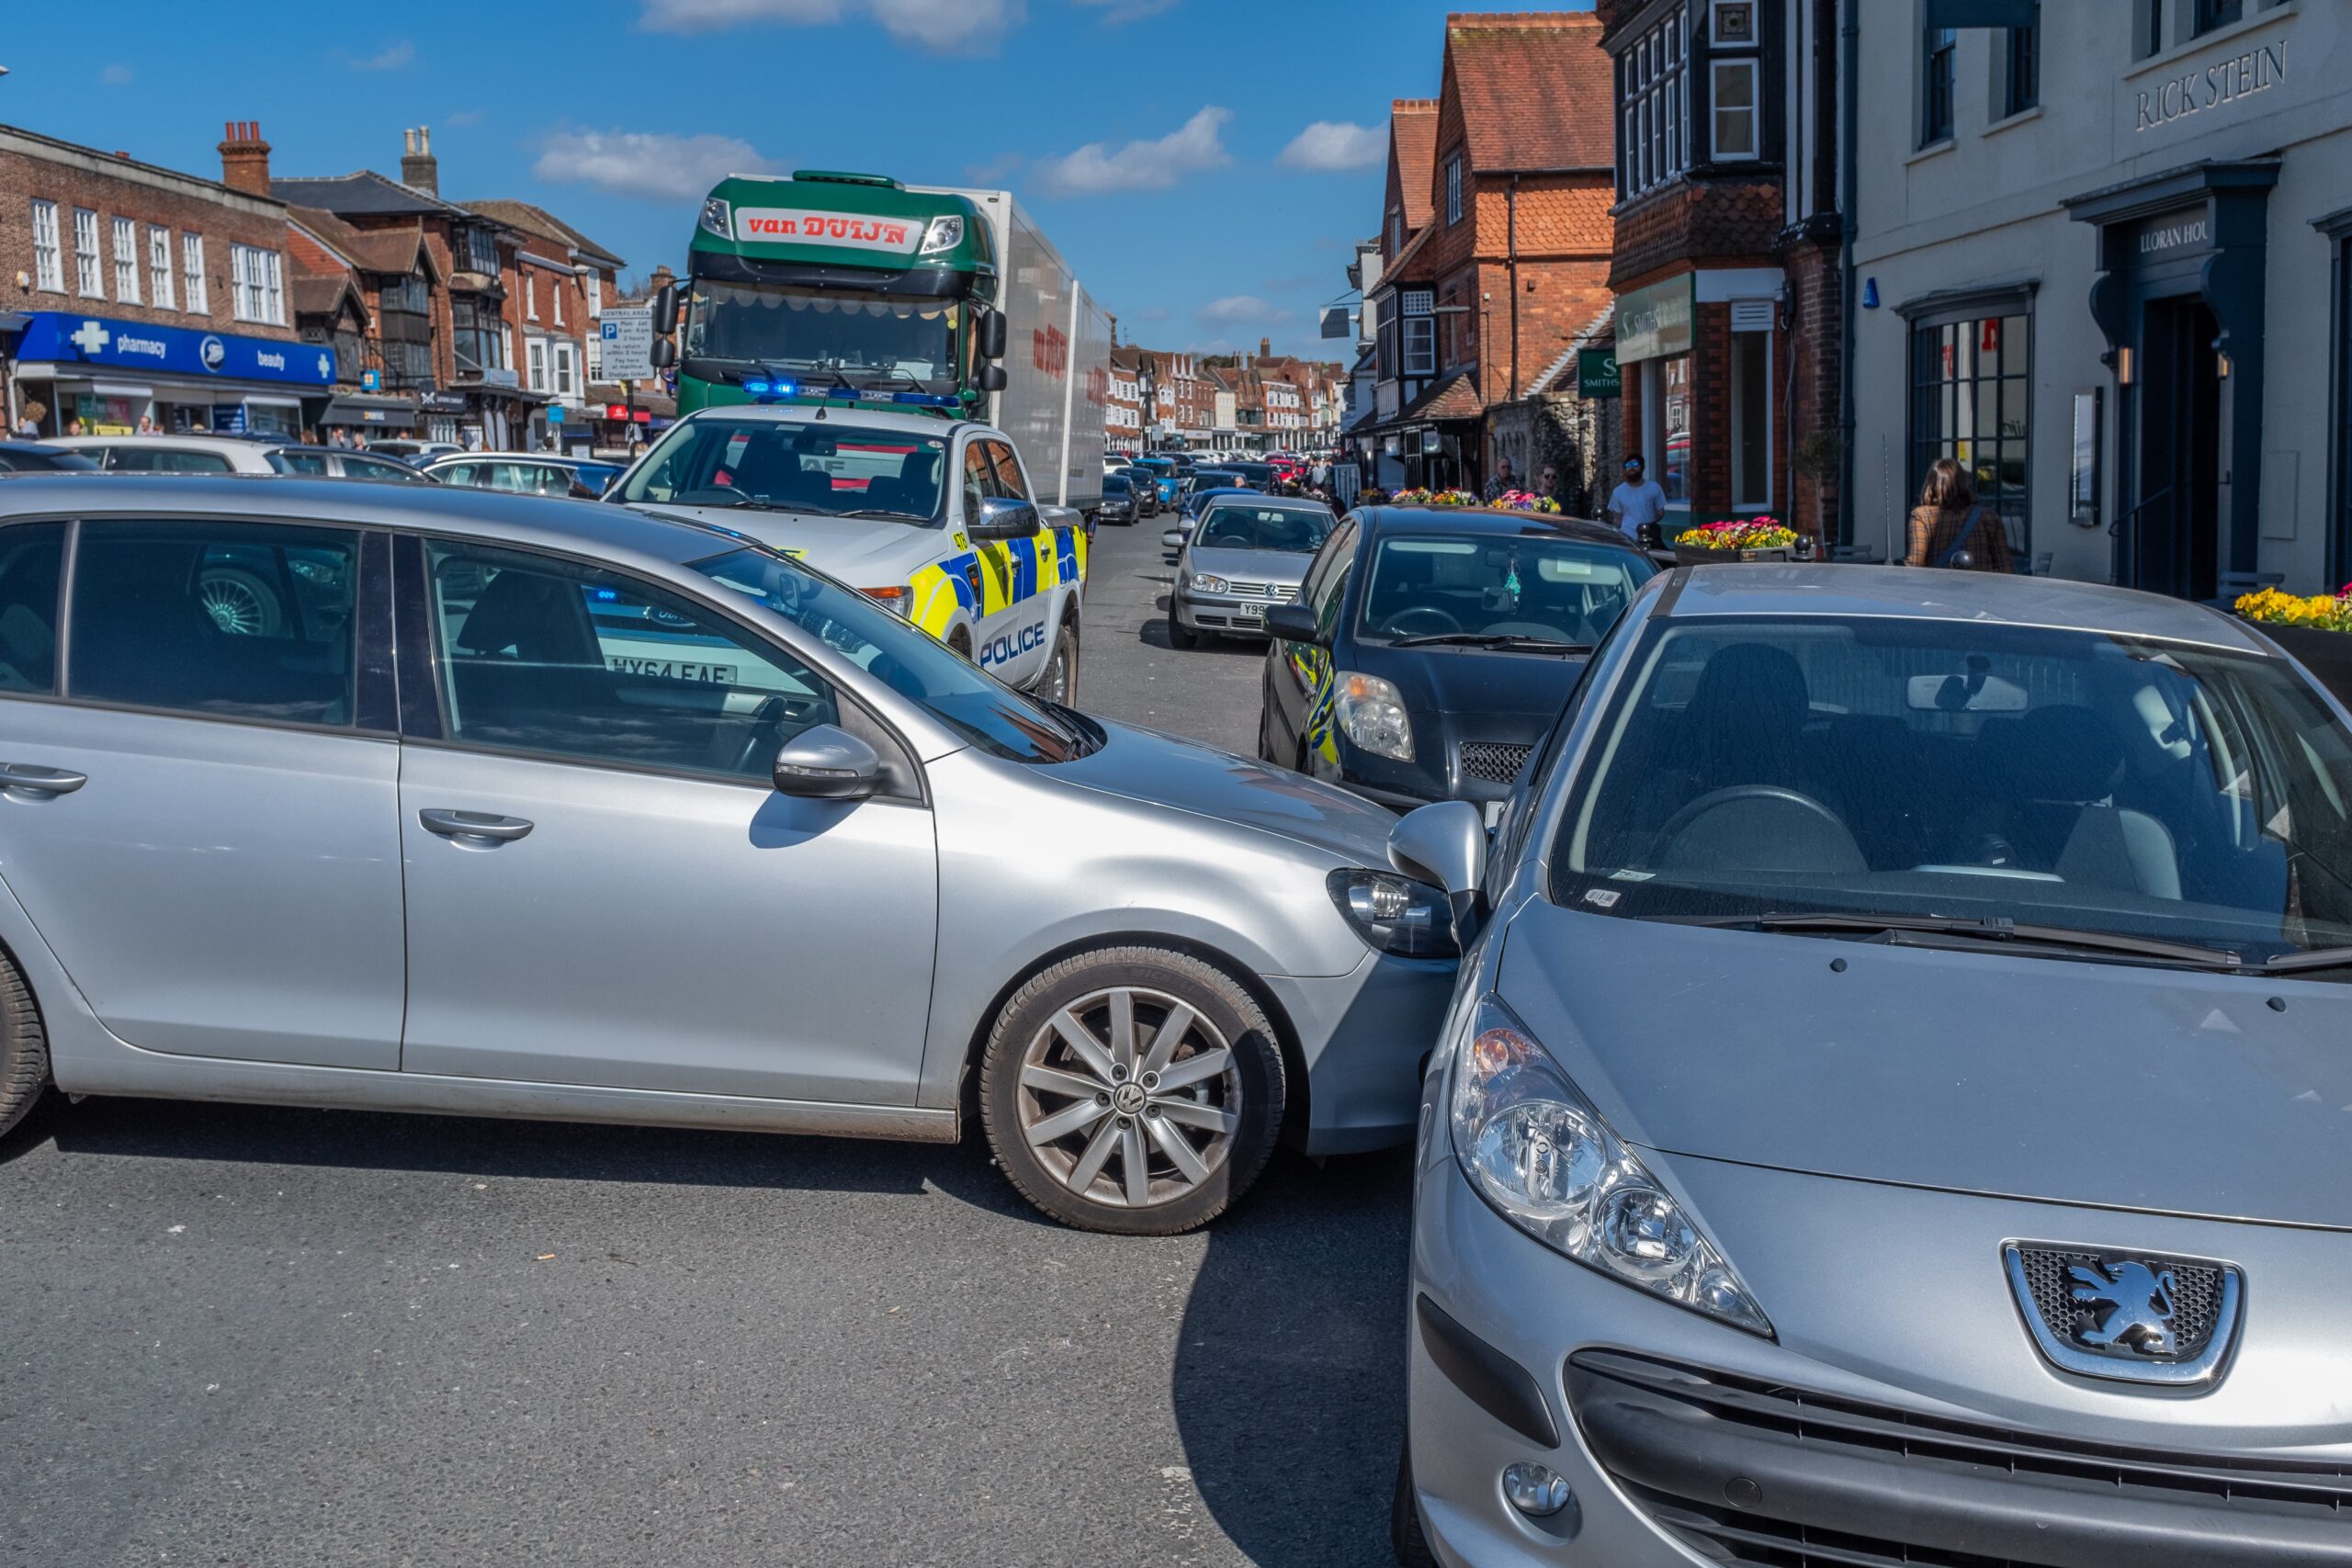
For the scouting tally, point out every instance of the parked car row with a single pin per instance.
(531, 473)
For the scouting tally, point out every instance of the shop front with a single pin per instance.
(106, 377)
(1656, 334)
(370, 415)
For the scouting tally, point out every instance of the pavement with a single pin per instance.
(249, 1335)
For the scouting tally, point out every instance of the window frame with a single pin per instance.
(162, 295)
(374, 698)
(2021, 67)
(1925, 394)
(126, 259)
(2212, 16)
(89, 281)
(1754, 109)
(1454, 204)
(49, 262)
(1653, 108)
(1939, 85)
(57, 615)
(197, 297)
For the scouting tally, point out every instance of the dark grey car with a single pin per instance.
(1899, 1111)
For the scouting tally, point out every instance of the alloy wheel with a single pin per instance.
(1129, 1097)
(237, 608)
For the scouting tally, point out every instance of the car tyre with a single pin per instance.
(1120, 1130)
(1406, 1536)
(1057, 683)
(240, 604)
(1178, 633)
(24, 1047)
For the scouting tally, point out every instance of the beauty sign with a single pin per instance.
(798, 226)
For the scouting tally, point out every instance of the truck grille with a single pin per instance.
(1493, 761)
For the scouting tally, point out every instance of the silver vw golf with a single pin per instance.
(1900, 1110)
(501, 806)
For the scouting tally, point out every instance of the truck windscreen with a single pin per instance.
(867, 339)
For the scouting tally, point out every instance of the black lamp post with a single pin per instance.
(1150, 384)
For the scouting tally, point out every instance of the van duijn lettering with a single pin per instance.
(2225, 82)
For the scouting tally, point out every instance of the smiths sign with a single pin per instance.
(792, 225)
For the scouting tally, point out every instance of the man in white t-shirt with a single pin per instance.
(1636, 500)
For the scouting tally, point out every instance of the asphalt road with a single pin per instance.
(238, 1335)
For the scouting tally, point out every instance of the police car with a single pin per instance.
(934, 518)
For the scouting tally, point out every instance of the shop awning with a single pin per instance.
(361, 408)
(14, 321)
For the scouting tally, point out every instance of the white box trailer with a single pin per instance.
(1056, 357)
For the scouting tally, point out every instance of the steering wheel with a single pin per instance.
(1742, 795)
(1405, 623)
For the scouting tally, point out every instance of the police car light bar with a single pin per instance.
(761, 390)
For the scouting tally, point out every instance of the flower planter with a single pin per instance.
(1692, 555)
(2327, 655)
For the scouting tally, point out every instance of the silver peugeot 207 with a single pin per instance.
(422, 799)
(1900, 1108)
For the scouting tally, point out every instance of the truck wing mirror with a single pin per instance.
(665, 353)
(665, 309)
(992, 379)
(992, 335)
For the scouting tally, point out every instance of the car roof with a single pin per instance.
(1496, 521)
(491, 516)
(1925, 594)
(1279, 503)
(502, 457)
(175, 443)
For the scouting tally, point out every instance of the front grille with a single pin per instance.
(2195, 1302)
(1493, 761)
(1272, 593)
(2296, 1513)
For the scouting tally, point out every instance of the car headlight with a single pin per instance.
(1208, 583)
(717, 218)
(1370, 712)
(1536, 1149)
(1395, 914)
(944, 234)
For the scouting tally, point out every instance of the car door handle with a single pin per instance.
(34, 779)
(473, 825)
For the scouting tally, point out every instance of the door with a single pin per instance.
(1299, 673)
(604, 888)
(208, 839)
(2176, 526)
(1014, 636)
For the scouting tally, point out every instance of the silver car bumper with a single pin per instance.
(1365, 1036)
(1927, 1415)
(1227, 613)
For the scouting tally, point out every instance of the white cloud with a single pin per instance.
(392, 59)
(1236, 309)
(1335, 144)
(654, 165)
(1095, 169)
(114, 75)
(944, 27)
(1118, 13)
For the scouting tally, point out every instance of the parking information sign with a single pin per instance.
(626, 339)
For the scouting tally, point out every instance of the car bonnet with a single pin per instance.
(2122, 1086)
(866, 552)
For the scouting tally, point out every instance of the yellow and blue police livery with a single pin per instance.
(936, 518)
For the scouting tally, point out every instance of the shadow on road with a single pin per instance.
(562, 1151)
(1290, 1376)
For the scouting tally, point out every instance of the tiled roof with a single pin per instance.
(1412, 142)
(534, 220)
(1537, 91)
(1601, 329)
(1456, 396)
(324, 296)
(392, 251)
(363, 193)
(1566, 222)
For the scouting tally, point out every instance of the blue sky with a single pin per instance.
(1164, 145)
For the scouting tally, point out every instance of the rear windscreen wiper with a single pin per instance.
(1990, 928)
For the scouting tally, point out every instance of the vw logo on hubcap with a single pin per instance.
(1127, 1099)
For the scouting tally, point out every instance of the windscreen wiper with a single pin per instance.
(1490, 640)
(1989, 928)
(2315, 958)
(881, 512)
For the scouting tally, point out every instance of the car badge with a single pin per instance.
(2130, 1317)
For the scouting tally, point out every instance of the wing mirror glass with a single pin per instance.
(992, 379)
(992, 336)
(827, 763)
(1171, 538)
(1295, 621)
(665, 309)
(1003, 518)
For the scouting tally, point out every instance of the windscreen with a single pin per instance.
(2057, 777)
(987, 713)
(869, 340)
(832, 467)
(1292, 530)
(1533, 585)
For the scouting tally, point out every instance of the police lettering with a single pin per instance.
(1013, 645)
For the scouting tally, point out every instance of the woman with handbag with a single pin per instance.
(1951, 528)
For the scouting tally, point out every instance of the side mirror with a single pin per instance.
(1173, 539)
(664, 352)
(1445, 846)
(665, 310)
(1002, 517)
(992, 335)
(992, 379)
(1293, 622)
(827, 763)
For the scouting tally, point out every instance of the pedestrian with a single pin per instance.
(74, 426)
(1951, 528)
(146, 424)
(27, 427)
(1501, 484)
(1547, 484)
(1638, 500)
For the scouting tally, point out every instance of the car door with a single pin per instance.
(604, 886)
(200, 816)
(1298, 678)
(1006, 592)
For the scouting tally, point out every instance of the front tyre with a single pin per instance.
(1059, 681)
(1178, 633)
(1133, 1090)
(24, 1047)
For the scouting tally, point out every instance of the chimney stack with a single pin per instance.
(420, 170)
(1265, 348)
(244, 157)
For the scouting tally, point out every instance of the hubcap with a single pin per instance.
(232, 606)
(1129, 1097)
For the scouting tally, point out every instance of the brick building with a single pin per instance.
(1511, 263)
(138, 293)
(478, 396)
(1123, 405)
(566, 279)
(1403, 331)
(381, 388)
(1702, 222)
